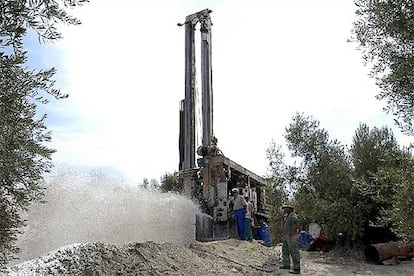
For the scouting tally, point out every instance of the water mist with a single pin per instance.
(87, 207)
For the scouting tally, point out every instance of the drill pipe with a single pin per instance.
(376, 253)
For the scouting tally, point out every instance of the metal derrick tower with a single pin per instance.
(209, 178)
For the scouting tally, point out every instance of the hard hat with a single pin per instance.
(234, 190)
(287, 206)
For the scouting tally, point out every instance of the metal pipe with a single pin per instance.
(376, 253)
(181, 142)
(207, 93)
(191, 21)
(189, 101)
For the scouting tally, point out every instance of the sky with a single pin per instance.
(124, 71)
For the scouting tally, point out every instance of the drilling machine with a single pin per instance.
(210, 178)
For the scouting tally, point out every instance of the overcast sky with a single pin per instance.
(124, 70)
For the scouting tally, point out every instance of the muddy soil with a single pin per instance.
(228, 257)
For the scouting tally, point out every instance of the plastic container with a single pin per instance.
(264, 235)
(315, 230)
(304, 240)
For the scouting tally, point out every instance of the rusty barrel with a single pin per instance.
(376, 253)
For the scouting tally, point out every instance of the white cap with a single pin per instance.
(234, 190)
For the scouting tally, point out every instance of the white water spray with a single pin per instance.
(87, 207)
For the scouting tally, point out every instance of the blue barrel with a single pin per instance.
(304, 240)
(264, 235)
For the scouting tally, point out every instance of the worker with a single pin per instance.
(249, 219)
(239, 210)
(290, 247)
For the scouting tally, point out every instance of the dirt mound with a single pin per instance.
(230, 257)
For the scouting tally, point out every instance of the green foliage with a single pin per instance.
(152, 184)
(305, 139)
(170, 183)
(373, 149)
(23, 156)
(374, 154)
(145, 184)
(384, 31)
(399, 212)
(276, 188)
(39, 15)
(325, 194)
(346, 191)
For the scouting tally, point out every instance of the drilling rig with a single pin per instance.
(209, 177)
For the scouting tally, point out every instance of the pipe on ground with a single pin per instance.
(376, 253)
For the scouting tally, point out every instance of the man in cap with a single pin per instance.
(239, 210)
(290, 247)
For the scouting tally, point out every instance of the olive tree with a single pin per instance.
(170, 183)
(383, 174)
(350, 190)
(24, 156)
(277, 187)
(325, 193)
(384, 31)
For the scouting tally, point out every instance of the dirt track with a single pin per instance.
(229, 257)
(316, 263)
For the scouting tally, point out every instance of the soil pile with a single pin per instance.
(230, 257)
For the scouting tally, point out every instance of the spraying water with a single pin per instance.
(87, 207)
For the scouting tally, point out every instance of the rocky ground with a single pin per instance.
(228, 257)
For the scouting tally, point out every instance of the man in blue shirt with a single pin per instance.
(239, 210)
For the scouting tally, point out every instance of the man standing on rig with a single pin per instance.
(249, 219)
(239, 210)
(290, 247)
